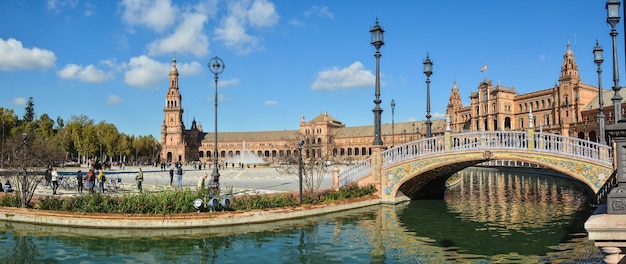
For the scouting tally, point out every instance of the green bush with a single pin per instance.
(177, 202)
(10, 200)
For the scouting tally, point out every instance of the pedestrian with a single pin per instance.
(91, 180)
(171, 175)
(48, 177)
(7, 186)
(201, 181)
(79, 179)
(139, 179)
(179, 175)
(101, 180)
(55, 180)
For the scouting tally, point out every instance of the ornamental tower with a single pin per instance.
(172, 129)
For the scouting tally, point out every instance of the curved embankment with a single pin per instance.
(177, 221)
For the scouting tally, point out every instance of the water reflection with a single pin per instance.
(488, 217)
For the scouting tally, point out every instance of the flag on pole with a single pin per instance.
(484, 68)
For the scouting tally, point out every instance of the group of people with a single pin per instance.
(52, 179)
(7, 186)
(96, 178)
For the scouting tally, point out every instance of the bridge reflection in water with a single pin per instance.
(486, 216)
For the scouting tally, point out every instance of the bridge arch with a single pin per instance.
(421, 177)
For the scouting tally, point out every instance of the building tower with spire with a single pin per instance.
(173, 128)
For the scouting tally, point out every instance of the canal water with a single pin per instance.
(486, 216)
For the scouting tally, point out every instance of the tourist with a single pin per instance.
(48, 177)
(171, 175)
(179, 174)
(55, 180)
(201, 181)
(79, 179)
(101, 180)
(7, 186)
(139, 179)
(91, 180)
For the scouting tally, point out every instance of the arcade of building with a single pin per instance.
(568, 108)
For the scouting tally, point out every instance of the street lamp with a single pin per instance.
(25, 142)
(393, 136)
(598, 59)
(612, 8)
(216, 66)
(428, 70)
(377, 42)
(300, 166)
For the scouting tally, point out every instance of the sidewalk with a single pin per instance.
(249, 180)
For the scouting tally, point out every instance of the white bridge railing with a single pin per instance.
(487, 140)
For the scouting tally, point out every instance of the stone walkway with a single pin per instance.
(242, 181)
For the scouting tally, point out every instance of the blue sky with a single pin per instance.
(110, 60)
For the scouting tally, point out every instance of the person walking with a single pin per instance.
(179, 175)
(48, 177)
(101, 180)
(139, 179)
(55, 180)
(171, 174)
(79, 179)
(91, 180)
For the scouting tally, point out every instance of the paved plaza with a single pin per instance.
(247, 180)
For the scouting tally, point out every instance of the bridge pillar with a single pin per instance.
(531, 138)
(335, 179)
(377, 168)
(607, 226)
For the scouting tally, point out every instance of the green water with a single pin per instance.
(488, 217)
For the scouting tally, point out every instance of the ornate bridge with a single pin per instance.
(420, 167)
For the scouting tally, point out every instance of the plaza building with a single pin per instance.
(324, 137)
(568, 108)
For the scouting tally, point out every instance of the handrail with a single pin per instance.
(484, 140)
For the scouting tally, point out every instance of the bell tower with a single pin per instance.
(172, 129)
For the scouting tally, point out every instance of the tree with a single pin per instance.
(316, 160)
(29, 111)
(26, 155)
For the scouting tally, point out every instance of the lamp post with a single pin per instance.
(598, 59)
(612, 8)
(428, 70)
(377, 42)
(393, 136)
(216, 66)
(300, 166)
(25, 142)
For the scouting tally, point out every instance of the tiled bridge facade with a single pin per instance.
(421, 167)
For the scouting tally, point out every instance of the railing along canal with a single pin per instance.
(487, 140)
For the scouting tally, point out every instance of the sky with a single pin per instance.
(110, 60)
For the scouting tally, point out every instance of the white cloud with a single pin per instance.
(352, 76)
(19, 101)
(157, 15)
(15, 56)
(145, 72)
(188, 37)
(437, 115)
(58, 5)
(86, 74)
(319, 11)
(114, 99)
(262, 14)
(270, 102)
(229, 82)
(242, 14)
